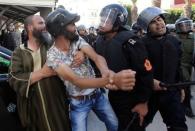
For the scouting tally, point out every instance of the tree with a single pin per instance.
(134, 10)
(187, 9)
(156, 3)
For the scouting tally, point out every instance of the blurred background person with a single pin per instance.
(92, 35)
(12, 38)
(138, 30)
(82, 31)
(171, 29)
(184, 27)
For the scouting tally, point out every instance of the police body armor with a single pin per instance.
(170, 58)
(131, 54)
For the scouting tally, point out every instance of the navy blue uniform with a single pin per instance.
(165, 55)
(126, 51)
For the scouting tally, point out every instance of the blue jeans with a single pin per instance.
(79, 110)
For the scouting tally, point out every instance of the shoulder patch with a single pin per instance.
(147, 65)
(131, 41)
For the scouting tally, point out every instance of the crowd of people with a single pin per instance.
(61, 72)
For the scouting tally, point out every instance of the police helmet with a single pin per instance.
(171, 27)
(115, 13)
(147, 15)
(184, 25)
(57, 20)
(81, 27)
(135, 27)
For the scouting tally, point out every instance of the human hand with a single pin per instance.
(125, 79)
(110, 75)
(78, 59)
(142, 110)
(157, 86)
(47, 71)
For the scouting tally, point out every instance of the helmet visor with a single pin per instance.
(185, 26)
(107, 17)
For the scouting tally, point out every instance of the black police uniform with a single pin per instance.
(165, 55)
(125, 51)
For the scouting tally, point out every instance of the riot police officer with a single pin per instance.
(82, 31)
(164, 53)
(137, 29)
(122, 50)
(184, 28)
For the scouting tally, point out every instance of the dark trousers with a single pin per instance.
(123, 112)
(169, 105)
(188, 97)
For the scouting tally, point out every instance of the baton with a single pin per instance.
(182, 84)
(135, 115)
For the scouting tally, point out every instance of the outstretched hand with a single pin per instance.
(110, 74)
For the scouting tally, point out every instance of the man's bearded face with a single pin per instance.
(72, 36)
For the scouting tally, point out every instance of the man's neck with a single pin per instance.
(33, 44)
(110, 35)
(62, 44)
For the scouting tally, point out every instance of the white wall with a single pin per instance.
(37, 3)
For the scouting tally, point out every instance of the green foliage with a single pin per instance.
(128, 7)
(174, 14)
(193, 13)
(171, 17)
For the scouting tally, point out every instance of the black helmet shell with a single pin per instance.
(184, 25)
(120, 12)
(58, 19)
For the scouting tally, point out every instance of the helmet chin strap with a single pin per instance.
(111, 31)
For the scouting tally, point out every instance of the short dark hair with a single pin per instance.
(28, 21)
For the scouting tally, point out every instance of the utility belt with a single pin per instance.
(86, 97)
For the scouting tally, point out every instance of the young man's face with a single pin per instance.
(105, 25)
(71, 33)
(71, 27)
(157, 26)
